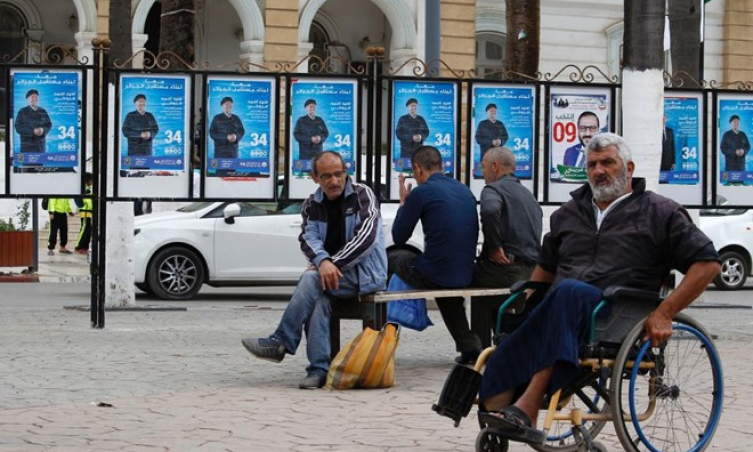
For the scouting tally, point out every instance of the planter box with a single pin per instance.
(16, 248)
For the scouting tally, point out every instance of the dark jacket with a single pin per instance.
(668, 150)
(639, 242)
(219, 129)
(407, 126)
(364, 248)
(133, 125)
(511, 218)
(305, 128)
(447, 210)
(29, 119)
(731, 142)
(488, 131)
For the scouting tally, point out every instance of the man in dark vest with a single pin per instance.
(490, 132)
(310, 132)
(734, 146)
(33, 124)
(140, 128)
(226, 130)
(411, 130)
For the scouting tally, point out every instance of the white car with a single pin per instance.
(226, 244)
(731, 230)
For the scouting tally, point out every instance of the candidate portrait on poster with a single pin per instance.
(241, 127)
(503, 115)
(46, 125)
(323, 118)
(153, 124)
(576, 116)
(681, 136)
(735, 129)
(424, 113)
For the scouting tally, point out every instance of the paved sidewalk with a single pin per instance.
(181, 381)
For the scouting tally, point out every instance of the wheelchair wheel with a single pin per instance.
(681, 396)
(561, 437)
(488, 441)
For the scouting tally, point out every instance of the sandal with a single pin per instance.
(512, 423)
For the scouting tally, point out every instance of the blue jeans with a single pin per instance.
(310, 310)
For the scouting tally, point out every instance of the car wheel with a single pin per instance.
(175, 273)
(144, 287)
(734, 272)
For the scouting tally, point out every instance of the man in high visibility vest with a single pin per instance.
(85, 208)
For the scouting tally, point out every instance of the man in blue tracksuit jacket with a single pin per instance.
(343, 242)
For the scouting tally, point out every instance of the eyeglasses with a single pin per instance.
(588, 128)
(338, 174)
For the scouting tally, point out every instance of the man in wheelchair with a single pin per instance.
(613, 232)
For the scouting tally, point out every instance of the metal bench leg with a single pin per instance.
(374, 315)
(484, 317)
(334, 334)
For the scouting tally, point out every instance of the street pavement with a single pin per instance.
(181, 381)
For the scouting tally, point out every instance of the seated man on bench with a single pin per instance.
(343, 241)
(613, 232)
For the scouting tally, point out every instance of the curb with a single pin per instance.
(19, 278)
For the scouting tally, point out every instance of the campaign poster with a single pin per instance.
(45, 121)
(735, 122)
(423, 113)
(240, 132)
(503, 115)
(323, 118)
(153, 128)
(681, 137)
(576, 114)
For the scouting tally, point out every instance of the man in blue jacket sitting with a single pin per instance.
(343, 242)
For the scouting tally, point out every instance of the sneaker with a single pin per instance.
(469, 357)
(313, 381)
(50, 252)
(269, 349)
(64, 251)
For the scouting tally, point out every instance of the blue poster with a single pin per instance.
(503, 116)
(424, 113)
(46, 108)
(735, 159)
(154, 123)
(680, 143)
(323, 118)
(240, 127)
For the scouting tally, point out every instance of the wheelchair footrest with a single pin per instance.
(459, 392)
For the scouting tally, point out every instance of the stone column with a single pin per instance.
(281, 32)
(252, 51)
(737, 52)
(458, 34)
(138, 41)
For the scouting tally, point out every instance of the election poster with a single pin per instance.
(503, 115)
(682, 159)
(45, 133)
(735, 161)
(240, 136)
(576, 114)
(154, 137)
(423, 113)
(323, 114)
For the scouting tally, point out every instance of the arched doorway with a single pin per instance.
(12, 42)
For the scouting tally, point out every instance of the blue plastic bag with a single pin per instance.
(409, 313)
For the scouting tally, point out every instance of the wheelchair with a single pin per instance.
(659, 399)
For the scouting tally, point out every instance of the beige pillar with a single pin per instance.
(737, 53)
(457, 47)
(281, 32)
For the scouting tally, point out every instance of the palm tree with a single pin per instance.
(523, 33)
(685, 37)
(177, 30)
(643, 84)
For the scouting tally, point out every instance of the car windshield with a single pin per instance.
(196, 206)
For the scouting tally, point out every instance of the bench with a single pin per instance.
(372, 309)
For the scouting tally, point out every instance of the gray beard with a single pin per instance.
(610, 192)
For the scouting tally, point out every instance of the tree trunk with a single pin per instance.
(177, 31)
(643, 85)
(685, 38)
(523, 33)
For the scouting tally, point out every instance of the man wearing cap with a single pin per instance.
(411, 130)
(32, 124)
(140, 128)
(226, 130)
(490, 132)
(310, 132)
(734, 146)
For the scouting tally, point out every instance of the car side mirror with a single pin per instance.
(230, 212)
